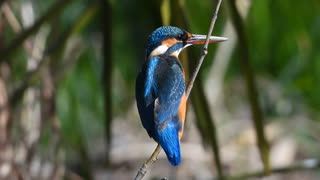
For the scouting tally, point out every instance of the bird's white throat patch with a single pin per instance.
(159, 50)
(163, 48)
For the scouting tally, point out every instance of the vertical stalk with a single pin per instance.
(106, 29)
(205, 121)
(251, 85)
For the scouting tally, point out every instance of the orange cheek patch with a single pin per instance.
(169, 42)
(189, 35)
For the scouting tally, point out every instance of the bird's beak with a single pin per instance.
(201, 39)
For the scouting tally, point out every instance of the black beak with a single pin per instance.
(201, 39)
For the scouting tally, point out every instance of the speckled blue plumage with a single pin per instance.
(159, 88)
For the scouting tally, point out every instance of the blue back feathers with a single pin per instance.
(159, 88)
(151, 67)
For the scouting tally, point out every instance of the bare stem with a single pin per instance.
(204, 51)
(144, 168)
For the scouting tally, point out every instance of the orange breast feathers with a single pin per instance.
(182, 109)
(182, 113)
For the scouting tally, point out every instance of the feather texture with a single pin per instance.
(159, 88)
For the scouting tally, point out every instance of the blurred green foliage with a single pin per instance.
(284, 40)
(284, 43)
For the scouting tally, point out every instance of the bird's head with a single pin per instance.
(171, 40)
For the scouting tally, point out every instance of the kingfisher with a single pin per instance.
(160, 87)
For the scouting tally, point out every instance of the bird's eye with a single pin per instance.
(180, 37)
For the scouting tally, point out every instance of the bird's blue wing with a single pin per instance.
(170, 86)
(145, 104)
(146, 93)
(159, 88)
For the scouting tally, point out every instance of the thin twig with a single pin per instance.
(144, 168)
(210, 126)
(204, 51)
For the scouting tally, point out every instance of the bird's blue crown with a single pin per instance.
(160, 34)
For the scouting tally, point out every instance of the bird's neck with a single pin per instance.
(163, 51)
(160, 50)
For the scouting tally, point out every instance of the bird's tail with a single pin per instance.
(169, 141)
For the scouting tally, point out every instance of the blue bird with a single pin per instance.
(160, 87)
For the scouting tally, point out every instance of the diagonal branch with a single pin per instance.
(204, 51)
(144, 168)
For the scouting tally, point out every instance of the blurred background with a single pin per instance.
(67, 80)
